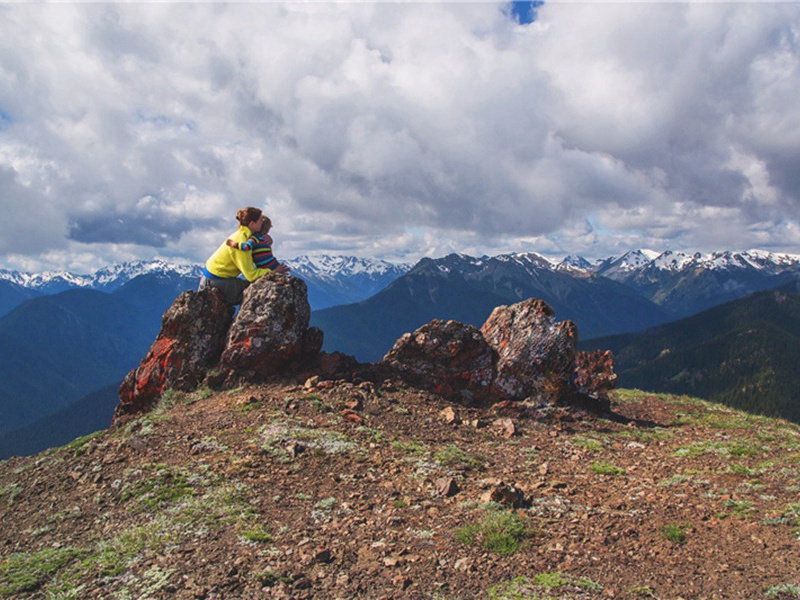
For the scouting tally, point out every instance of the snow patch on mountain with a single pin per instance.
(331, 267)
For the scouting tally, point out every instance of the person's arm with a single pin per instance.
(244, 262)
(245, 246)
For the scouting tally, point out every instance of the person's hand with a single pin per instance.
(267, 239)
(231, 243)
(282, 269)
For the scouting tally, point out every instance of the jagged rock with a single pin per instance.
(190, 342)
(270, 334)
(535, 354)
(593, 377)
(504, 493)
(504, 427)
(447, 487)
(447, 357)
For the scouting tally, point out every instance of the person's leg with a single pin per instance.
(231, 288)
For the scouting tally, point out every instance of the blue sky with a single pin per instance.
(397, 130)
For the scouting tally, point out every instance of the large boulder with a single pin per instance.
(270, 334)
(536, 354)
(190, 342)
(447, 357)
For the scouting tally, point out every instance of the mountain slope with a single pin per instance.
(743, 354)
(12, 295)
(467, 289)
(56, 349)
(269, 492)
(89, 414)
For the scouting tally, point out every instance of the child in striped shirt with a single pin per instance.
(260, 243)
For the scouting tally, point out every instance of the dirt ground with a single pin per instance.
(376, 490)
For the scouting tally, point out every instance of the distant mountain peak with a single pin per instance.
(333, 265)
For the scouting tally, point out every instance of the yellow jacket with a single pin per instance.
(229, 262)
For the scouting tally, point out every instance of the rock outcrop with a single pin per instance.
(270, 334)
(446, 357)
(199, 336)
(535, 353)
(192, 337)
(521, 352)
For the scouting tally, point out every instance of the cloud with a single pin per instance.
(399, 129)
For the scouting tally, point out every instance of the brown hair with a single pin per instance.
(248, 215)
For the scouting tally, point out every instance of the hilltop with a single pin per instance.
(342, 490)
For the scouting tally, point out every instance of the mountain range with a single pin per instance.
(65, 336)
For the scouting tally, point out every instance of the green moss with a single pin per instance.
(26, 572)
(674, 533)
(606, 468)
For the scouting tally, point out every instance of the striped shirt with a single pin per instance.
(262, 252)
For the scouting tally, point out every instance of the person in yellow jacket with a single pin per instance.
(223, 268)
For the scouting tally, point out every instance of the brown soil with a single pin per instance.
(283, 491)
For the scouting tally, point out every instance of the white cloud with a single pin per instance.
(398, 129)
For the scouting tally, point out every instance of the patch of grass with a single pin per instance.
(784, 591)
(674, 533)
(501, 532)
(740, 507)
(163, 487)
(732, 448)
(78, 445)
(326, 503)
(674, 480)
(322, 440)
(26, 572)
(399, 503)
(550, 580)
(542, 586)
(606, 468)
(468, 534)
(410, 446)
(10, 491)
(642, 591)
(454, 458)
(590, 443)
(257, 534)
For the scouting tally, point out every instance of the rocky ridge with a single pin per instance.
(521, 352)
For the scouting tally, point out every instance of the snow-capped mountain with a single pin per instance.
(330, 267)
(105, 279)
(687, 283)
(725, 260)
(334, 280)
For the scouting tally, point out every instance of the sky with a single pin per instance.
(134, 131)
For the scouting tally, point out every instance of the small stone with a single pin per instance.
(449, 415)
(504, 427)
(504, 493)
(311, 382)
(354, 404)
(295, 449)
(323, 556)
(463, 564)
(351, 415)
(447, 486)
